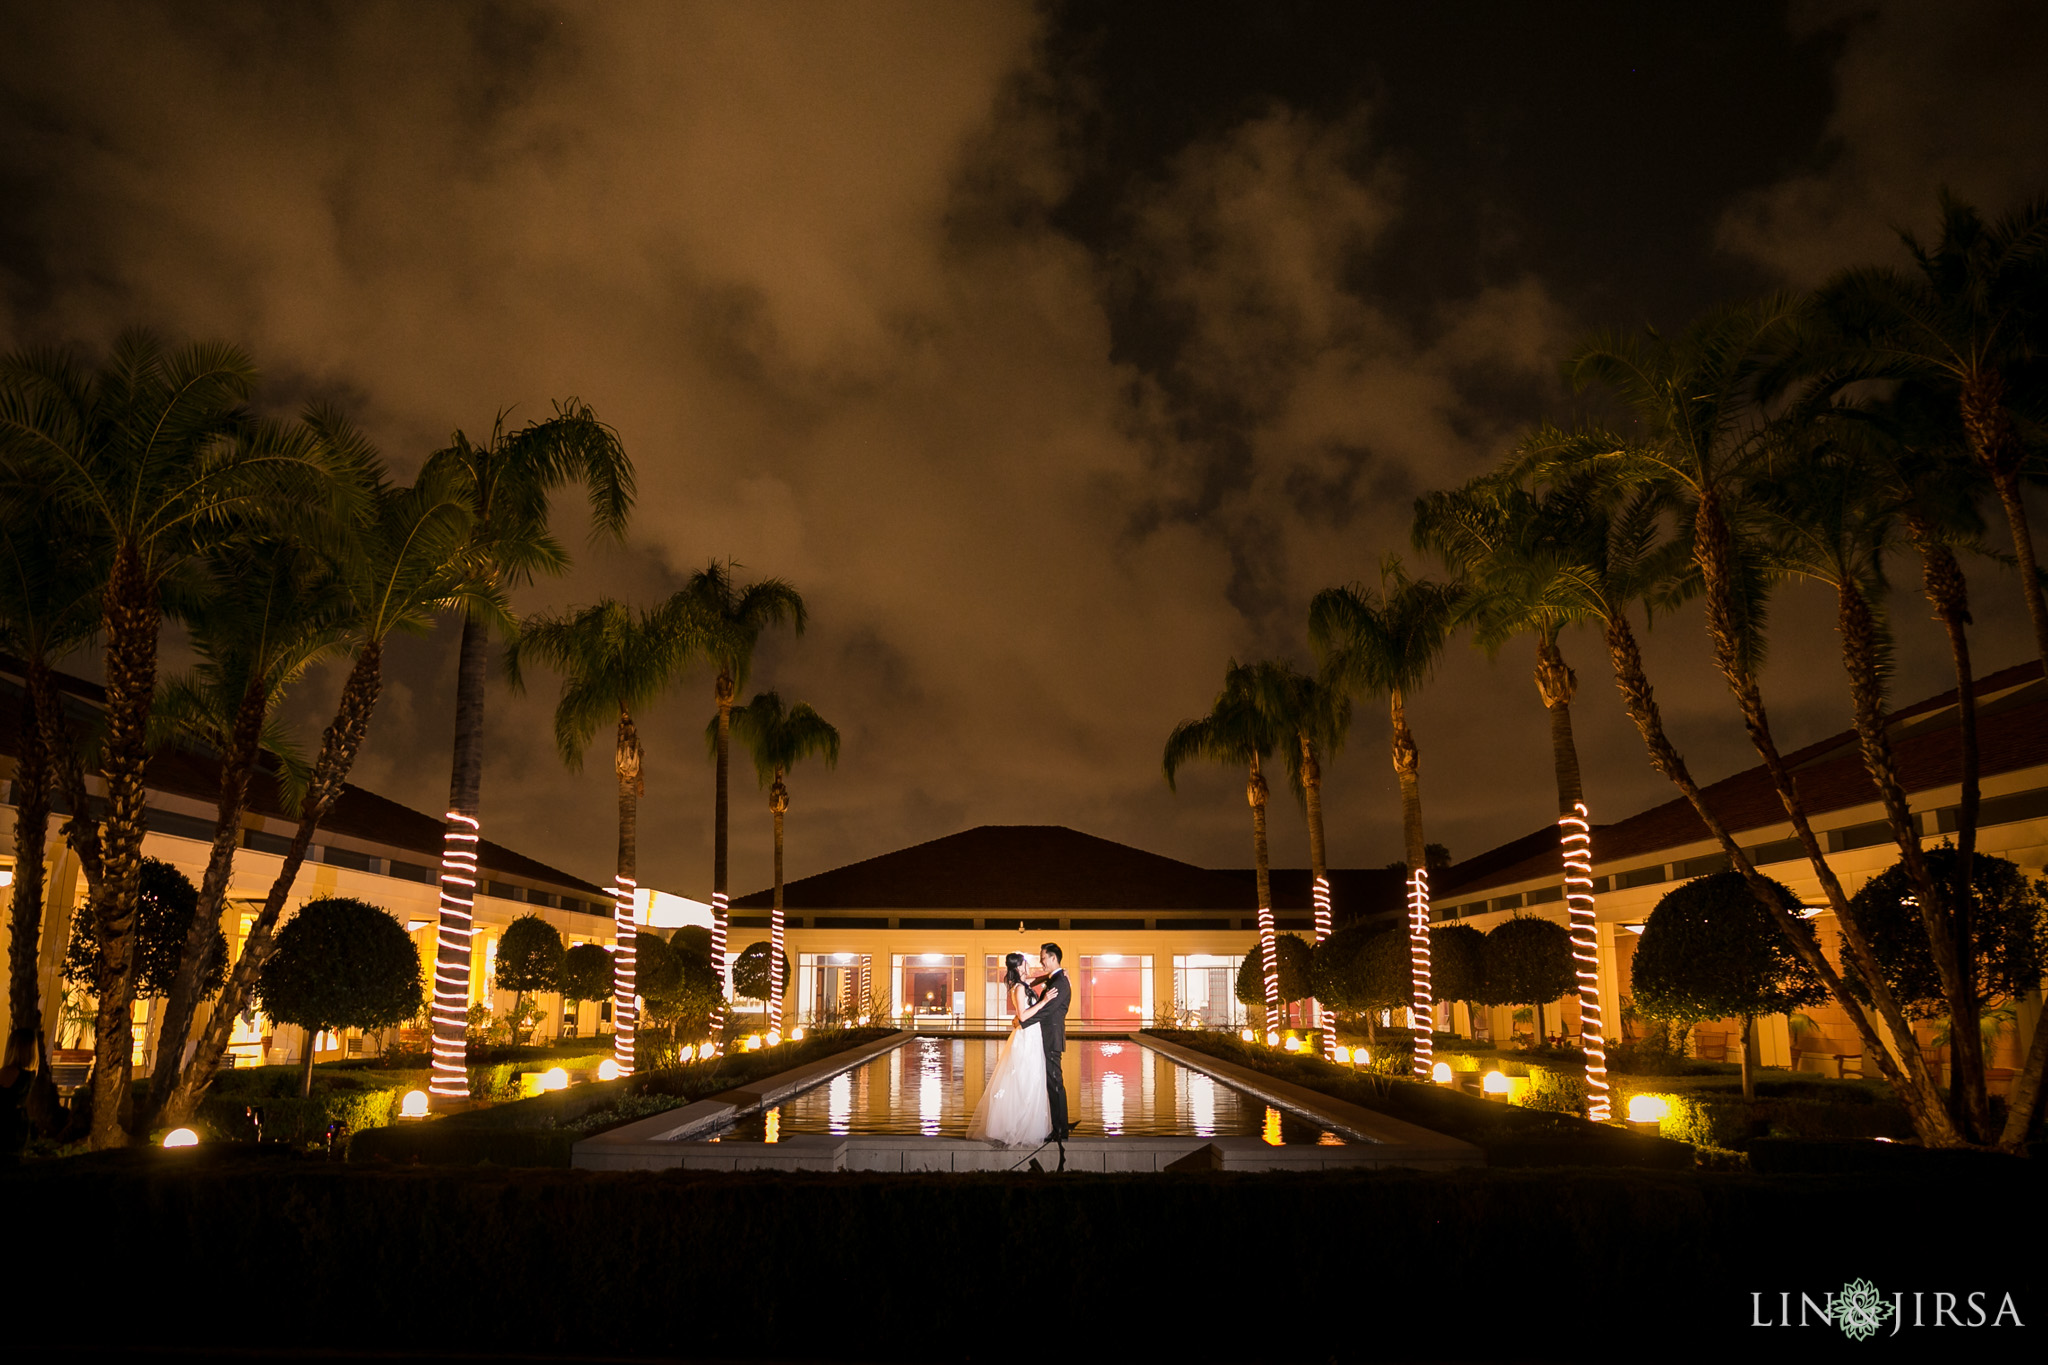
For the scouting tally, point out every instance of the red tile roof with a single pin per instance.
(2012, 733)
(1051, 867)
(357, 813)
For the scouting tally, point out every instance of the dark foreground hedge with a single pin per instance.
(215, 1249)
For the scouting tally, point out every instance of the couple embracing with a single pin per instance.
(1025, 1102)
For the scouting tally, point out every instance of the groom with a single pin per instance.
(1052, 1031)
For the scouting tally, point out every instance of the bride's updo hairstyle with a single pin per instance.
(1014, 976)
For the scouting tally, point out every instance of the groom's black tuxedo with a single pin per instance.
(1052, 1031)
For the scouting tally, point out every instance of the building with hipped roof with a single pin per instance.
(368, 847)
(1637, 860)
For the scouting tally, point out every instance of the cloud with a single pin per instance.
(1925, 96)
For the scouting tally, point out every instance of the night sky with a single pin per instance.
(1057, 354)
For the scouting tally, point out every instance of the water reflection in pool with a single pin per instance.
(1115, 1088)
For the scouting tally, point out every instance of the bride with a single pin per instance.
(1014, 1109)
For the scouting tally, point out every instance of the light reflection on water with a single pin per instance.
(930, 1086)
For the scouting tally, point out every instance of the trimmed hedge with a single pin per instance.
(543, 1130)
(368, 1259)
(1510, 1135)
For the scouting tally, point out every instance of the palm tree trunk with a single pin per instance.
(31, 833)
(778, 806)
(1949, 593)
(629, 764)
(1989, 429)
(1408, 767)
(460, 839)
(339, 745)
(1968, 1105)
(1917, 1090)
(1557, 684)
(1319, 871)
(237, 764)
(1255, 795)
(1988, 426)
(1640, 702)
(80, 830)
(1749, 1057)
(306, 1062)
(132, 617)
(720, 898)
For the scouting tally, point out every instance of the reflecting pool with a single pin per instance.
(1115, 1088)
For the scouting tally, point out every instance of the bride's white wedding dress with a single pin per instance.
(1014, 1109)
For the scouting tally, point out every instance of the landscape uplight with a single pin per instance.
(1647, 1108)
(1293, 1044)
(775, 1037)
(1496, 1083)
(1272, 1037)
(608, 1069)
(1343, 1055)
(555, 1079)
(181, 1137)
(414, 1105)
(1245, 1034)
(796, 1035)
(1441, 1073)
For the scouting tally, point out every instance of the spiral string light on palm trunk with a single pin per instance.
(719, 905)
(1329, 1030)
(1269, 952)
(1576, 838)
(775, 975)
(450, 1077)
(625, 959)
(1418, 970)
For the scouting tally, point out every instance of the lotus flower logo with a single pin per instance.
(1860, 1310)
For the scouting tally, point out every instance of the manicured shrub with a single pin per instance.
(1359, 971)
(1292, 954)
(2009, 930)
(163, 916)
(587, 973)
(529, 959)
(1710, 950)
(750, 972)
(1527, 961)
(341, 963)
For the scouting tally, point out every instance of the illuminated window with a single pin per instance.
(1205, 990)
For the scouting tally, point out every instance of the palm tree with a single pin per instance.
(1834, 517)
(779, 739)
(1242, 727)
(732, 619)
(1318, 713)
(405, 559)
(1385, 641)
(269, 608)
(1968, 323)
(1520, 552)
(151, 458)
(1515, 550)
(1698, 440)
(48, 608)
(613, 663)
(510, 478)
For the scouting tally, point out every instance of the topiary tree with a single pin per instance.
(1361, 970)
(2008, 929)
(678, 987)
(529, 959)
(693, 938)
(587, 972)
(340, 963)
(1291, 955)
(1457, 963)
(750, 972)
(164, 914)
(1528, 961)
(1711, 951)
